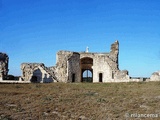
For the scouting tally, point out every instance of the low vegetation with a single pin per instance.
(78, 101)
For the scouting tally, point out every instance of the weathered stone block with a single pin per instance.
(4, 59)
(121, 75)
(155, 76)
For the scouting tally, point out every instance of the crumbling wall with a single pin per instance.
(155, 76)
(114, 52)
(74, 68)
(67, 65)
(121, 75)
(113, 59)
(4, 59)
(118, 75)
(104, 63)
(36, 72)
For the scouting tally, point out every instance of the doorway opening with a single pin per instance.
(73, 77)
(100, 77)
(34, 79)
(37, 76)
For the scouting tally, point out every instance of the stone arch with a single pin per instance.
(86, 64)
(36, 76)
(87, 75)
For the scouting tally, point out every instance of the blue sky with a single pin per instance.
(34, 30)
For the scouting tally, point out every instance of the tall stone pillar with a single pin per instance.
(4, 59)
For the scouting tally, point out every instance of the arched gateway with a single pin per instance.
(86, 69)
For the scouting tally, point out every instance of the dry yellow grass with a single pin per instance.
(78, 101)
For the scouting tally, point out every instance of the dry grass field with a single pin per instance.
(79, 101)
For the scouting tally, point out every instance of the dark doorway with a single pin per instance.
(34, 79)
(73, 77)
(100, 77)
(37, 76)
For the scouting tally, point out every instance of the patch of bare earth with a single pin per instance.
(79, 101)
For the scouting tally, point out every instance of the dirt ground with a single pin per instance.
(80, 101)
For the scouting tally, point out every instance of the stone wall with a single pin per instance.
(67, 65)
(69, 68)
(121, 76)
(105, 64)
(114, 52)
(155, 76)
(71, 65)
(101, 66)
(36, 72)
(4, 59)
(74, 68)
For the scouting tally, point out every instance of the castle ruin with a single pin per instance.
(71, 67)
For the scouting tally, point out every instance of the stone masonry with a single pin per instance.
(68, 66)
(37, 72)
(72, 67)
(103, 66)
(155, 76)
(4, 59)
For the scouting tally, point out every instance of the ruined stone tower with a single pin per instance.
(103, 67)
(71, 67)
(3, 65)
